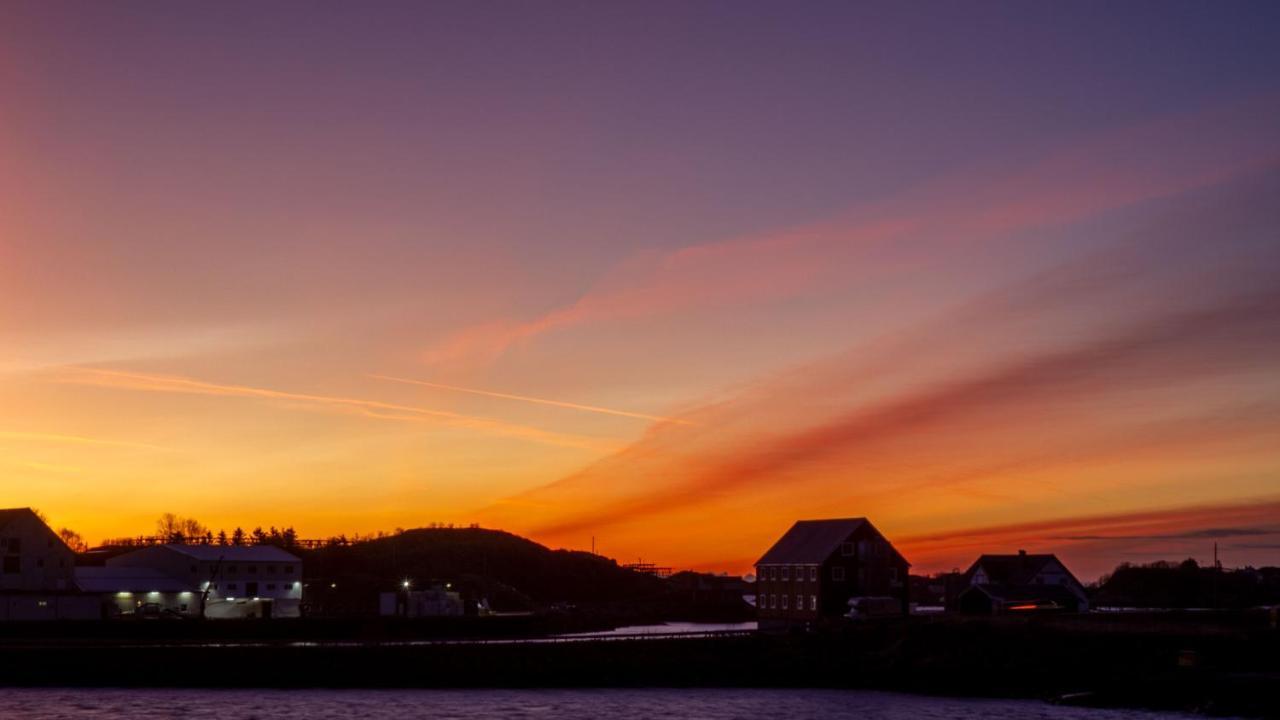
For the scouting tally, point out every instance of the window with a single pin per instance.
(42, 603)
(253, 569)
(784, 601)
(231, 569)
(837, 573)
(271, 586)
(13, 564)
(813, 574)
(785, 570)
(773, 573)
(813, 602)
(15, 545)
(271, 569)
(773, 601)
(799, 602)
(799, 573)
(846, 549)
(288, 569)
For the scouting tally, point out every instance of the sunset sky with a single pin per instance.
(671, 275)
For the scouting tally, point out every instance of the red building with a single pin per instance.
(818, 566)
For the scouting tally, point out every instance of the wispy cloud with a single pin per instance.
(75, 440)
(372, 408)
(534, 400)
(1046, 386)
(942, 217)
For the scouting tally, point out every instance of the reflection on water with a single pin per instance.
(90, 704)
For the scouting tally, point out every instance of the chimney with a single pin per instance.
(1022, 553)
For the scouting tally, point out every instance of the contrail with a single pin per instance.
(536, 400)
(174, 384)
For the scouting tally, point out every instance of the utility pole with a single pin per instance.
(1217, 570)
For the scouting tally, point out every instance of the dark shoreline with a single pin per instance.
(1228, 665)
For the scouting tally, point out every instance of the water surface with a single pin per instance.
(703, 704)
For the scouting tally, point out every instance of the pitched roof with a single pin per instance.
(813, 541)
(235, 553)
(1019, 569)
(8, 515)
(113, 578)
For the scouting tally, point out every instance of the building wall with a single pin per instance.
(40, 606)
(34, 558)
(794, 583)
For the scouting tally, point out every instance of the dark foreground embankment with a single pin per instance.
(1230, 668)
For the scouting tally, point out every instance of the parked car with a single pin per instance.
(866, 608)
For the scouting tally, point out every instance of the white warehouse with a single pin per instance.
(213, 581)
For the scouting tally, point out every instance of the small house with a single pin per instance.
(1024, 582)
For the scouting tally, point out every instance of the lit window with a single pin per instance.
(837, 573)
(813, 602)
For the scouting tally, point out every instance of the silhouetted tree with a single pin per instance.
(73, 540)
(259, 537)
(222, 537)
(174, 528)
(237, 537)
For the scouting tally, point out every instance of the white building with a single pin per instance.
(431, 602)
(213, 581)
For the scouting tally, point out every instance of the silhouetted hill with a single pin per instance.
(1187, 585)
(512, 572)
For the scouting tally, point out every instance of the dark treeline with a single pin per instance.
(180, 530)
(1187, 585)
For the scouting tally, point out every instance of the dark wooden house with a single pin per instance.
(814, 570)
